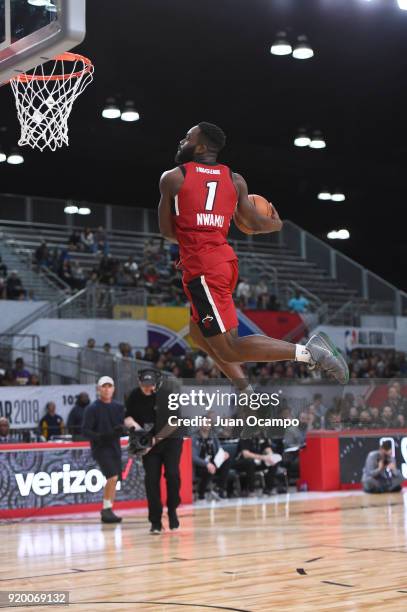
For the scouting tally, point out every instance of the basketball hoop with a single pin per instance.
(45, 96)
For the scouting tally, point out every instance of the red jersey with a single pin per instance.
(204, 208)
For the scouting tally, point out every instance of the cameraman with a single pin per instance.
(147, 406)
(380, 474)
(103, 426)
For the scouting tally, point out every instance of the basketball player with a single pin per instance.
(198, 200)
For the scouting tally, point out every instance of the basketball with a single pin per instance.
(263, 207)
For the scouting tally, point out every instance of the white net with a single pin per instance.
(44, 99)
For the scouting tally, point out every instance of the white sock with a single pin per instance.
(302, 354)
(107, 504)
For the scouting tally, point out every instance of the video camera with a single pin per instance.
(140, 439)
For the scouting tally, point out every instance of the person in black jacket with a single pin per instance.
(75, 418)
(147, 406)
(103, 426)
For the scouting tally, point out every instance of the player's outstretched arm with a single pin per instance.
(248, 215)
(170, 184)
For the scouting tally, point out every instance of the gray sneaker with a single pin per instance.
(326, 356)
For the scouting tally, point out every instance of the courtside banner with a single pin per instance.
(61, 477)
(25, 406)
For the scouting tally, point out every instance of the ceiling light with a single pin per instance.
(3, 156)
(342, 234)
(15, 158)
(402, 4)
(111, 110)
(302, 139)
(51, 8)
(338, 196)
(281, 46)
(71, 209)
(84, 211)
(130, 113)
(38, 2)
(317, 141)
(324, 195)
(302, 49)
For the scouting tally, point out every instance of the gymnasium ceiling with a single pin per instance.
(183, 62)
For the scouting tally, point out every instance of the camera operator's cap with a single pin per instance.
(148, 377)
(105, 380)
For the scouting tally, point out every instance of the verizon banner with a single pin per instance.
(61, 477)
(25, 406)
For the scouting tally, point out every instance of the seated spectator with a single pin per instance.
(273, 303)
(388, 417)
(88, 240)
(75, 417)
(151, 354)
(351, 420)
(51, 423)
(78, 277)
(3, 268)
(380, 473)
(34, 380)
(261, 294)
(14, 286)
(395, 400)
(5, 436)
(42, 255)
(131, 267)
(91, 343)
(375, 417)
(205, 447)
(365, 419)
(101, 241)
(243, 293)
(21, 375)
(124, 351)
(65, 273)
(150, 278)
(333, 419)
(107, 347)
(401, 421)
(74, 241)
(256, 454)
(298, 303)
(8, 379)
(188, 368)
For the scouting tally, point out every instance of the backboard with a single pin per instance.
(34, 31)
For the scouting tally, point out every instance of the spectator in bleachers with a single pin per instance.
(375, 417)
(78, 277)
(395, 399)
(261, 294)
(21, 375)
(151, 354)
(243, 293)
(131, 267)
(7, 380)
(75, 417)
(124, 351)
(3, 268)
(188, 368)
(333, 419)
(91, 343)
(298, 304)
(205, 447)
(388, 417)
(42, 255)
(5, 436)
(34, 381)
(51, 423)
(74, 241)
(88, 240)
(14, 286)
(317, 408)
(273, 303)
(107, 347)
(101, 241)
(365, 419)
(2, 288)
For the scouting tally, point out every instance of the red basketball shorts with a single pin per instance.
(210, 296)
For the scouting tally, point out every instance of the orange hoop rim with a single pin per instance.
(63, 57)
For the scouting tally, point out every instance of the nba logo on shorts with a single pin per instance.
(207, 321)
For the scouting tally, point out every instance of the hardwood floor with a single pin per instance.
(339, 552)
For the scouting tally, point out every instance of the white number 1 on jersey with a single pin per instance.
(210, 199)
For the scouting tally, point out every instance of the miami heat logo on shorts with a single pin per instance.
(207, 321)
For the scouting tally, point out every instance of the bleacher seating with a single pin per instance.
(276, 262)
